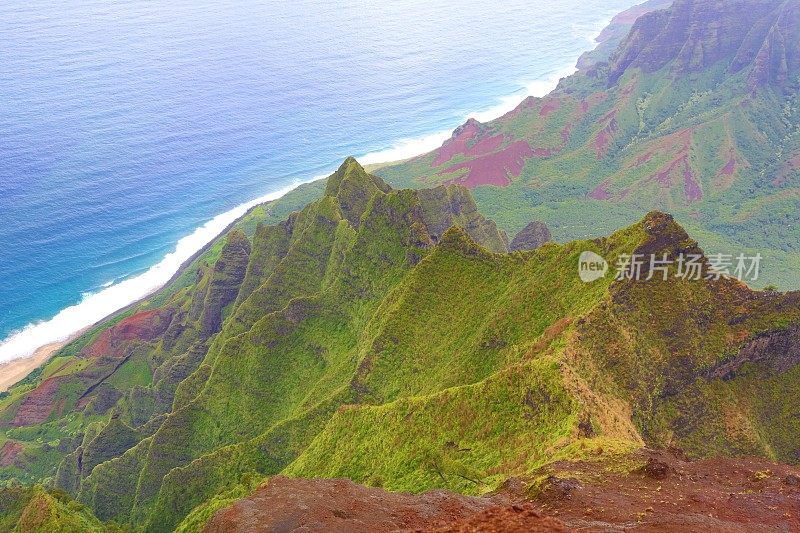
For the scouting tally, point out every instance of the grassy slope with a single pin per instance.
(340, 341)
(325, 270)
(634, 359)
(737, 141)
(405, 363)
(36, 510)
(45, 443)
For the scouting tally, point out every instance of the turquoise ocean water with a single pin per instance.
(133, 131)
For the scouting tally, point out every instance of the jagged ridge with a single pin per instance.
(696, 114)
(373, 346)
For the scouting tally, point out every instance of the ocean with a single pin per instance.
(132, 132)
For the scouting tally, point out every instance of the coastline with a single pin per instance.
(24, 350)
(14, 371)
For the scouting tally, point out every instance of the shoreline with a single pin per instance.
(14, 371)
(24, 350)
(97, 307)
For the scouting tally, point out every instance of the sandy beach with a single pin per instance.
(13, 371)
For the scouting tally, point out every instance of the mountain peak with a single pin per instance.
(457, 239)
(349, 170)
(353, 187)
(776, 56)
(531, 237)
(693, 35)
(665, 235)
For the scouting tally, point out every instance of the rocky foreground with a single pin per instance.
(665, 492)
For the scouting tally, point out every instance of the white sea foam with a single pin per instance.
(410, 147)
(95, 307)
(406, 148)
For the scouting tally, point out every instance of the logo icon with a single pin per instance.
(591, 267)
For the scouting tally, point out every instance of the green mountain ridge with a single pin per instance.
(695, 114)
(359, 339)
(399, 338)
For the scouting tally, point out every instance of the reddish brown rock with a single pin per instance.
(602, 142)
(458, 143)
(669, 493)
(9, 453)
(601, 191)
(550, 106)
(143, 326)
(37, 405)
(691, 187)
(339, 505)
(496, 168)
(519, 518)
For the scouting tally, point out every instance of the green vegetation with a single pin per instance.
(36, 510)
(714, 141)
(375, 335)
(352, 329)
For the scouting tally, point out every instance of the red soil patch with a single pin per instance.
(566, 133)
(101, 346)
(550, 105)
(37, 405)
(339, 505)
(143, 326)
(492, 166)
(671, 494)
(553, 104)
(690, 185)
(9, 452)
(730, 167)
(496, 168)
(518, 518)
(601, 192)
(458, 142)
(642, 159)
(680, 166)
(484, 146)
(724, 177)
(590, 103)
(677, 170)
(663, 175)
(467, 141)
(667, 493)
(793, 165)
(603, 140)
